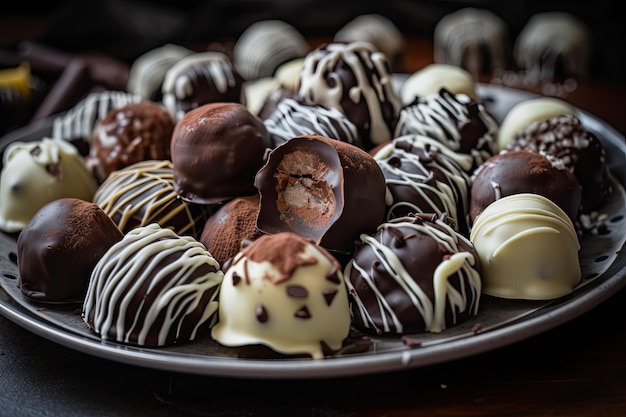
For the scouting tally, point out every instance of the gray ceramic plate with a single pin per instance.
(501, 322)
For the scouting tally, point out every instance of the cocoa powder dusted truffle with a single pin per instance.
(132, 133)
(415, 274)
(284, 292)
(59, 248)
(232, 224)
(524, 171)
(322, 189)
(217, 150)
(357, 80)
(143, 193)
(153, 288)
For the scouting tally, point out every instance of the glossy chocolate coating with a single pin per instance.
(133, 133)
(356, 79)
(60, 246)
(580, 150)
(216, 150)
(322, 189)
(524, 171)
(415, 274)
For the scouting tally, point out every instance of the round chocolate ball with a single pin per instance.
(217, 150)
(59, 248)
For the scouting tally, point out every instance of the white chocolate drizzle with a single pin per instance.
(152, 263)
(460, 263)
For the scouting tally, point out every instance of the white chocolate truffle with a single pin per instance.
(528, 248)
(265, 45)
(527, 112)
(433, 77)
(471, 38)
(36, 173)
(287, 293)
(553, 45)
(257, 91)
(288, 74)
(148, 71)
(153, 288)
(375, 29)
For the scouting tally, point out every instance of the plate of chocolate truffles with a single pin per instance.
(312, 215)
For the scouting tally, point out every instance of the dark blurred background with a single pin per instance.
(127, 28)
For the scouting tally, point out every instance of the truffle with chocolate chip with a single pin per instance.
(284, 292)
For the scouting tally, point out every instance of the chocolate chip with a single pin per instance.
(303, 313)
(261, 313)
(297, 291)
(236, 279)
(329, 294)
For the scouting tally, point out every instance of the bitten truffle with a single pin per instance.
(322, 189)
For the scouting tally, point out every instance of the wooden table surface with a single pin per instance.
(576, 369)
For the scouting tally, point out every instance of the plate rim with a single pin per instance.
(557, 313)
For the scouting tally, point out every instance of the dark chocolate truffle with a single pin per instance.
(135, 132)
(198, 79)
(59, 248)
(456, 120)
(143, 193)
(580, 150)
(355, 79)
(153, 288)
(217, 150)
(322, 189)
(524, 171)
(425, 176)
(230, 226)
(415, 274)
(293, 118)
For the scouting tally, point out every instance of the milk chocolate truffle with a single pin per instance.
(284, 292)
(36, 173)
(201, 78)
(293, 118)
(424, 176)
(554, 46)
(59, 248)
(581, 151)
(414, 275)
(217, 150)
(321, 189)
(474, 39)
(143, 193)
(456, 120)
(528, 248)
(78, 123)
(524, 171)
(230, 226)
(133, 133)
(357, 80)
(265, 45)
(153, 288)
